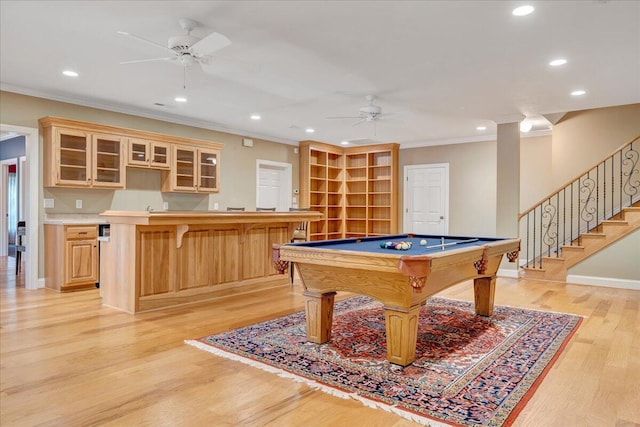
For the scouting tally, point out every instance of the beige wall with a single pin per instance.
(583, 138)
(623, 256)
(238, 163)
(536, 180)
(472, 184)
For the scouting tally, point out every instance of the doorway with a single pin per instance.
(273, 186)
(426, 199)
(9, 204)
(30, 174)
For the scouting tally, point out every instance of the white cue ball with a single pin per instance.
(423, 242)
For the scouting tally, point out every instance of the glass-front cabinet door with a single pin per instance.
(74, 157)
(185, 168)
(160, 155)
(108, 162)
(152, 154)
(208, 170)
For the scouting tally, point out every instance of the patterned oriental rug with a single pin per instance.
(470, 370)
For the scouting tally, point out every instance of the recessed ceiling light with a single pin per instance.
(481, 128)
(180, 99)
(309, 130)
(345, 143)
(523, 10)
(70, 73)
(255, 117)
(558, 62)
(578, 92)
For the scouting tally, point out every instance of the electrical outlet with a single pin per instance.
(48, 203)
(78, 204)
(216, 206)
(165, 206)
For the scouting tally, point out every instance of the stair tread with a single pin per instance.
(615, 222)
(569, 247)
(595, 234)
(553, 258)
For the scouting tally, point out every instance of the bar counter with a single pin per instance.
(156, 260)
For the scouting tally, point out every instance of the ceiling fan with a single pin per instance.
(185, 49)
(367, 113)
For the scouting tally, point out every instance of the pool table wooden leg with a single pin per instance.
(402, 334)
(319, 313)
(484, 289)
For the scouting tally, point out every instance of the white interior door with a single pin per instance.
(273, 185)
(426, 199)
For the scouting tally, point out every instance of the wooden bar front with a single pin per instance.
(157, 260)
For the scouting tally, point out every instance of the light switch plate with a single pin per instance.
(165, 206)
(49, 203)
(78, 204)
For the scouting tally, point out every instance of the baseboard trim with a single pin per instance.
(507, 272)
(604, 281)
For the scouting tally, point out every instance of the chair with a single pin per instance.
(300, 234)
(21, 232)
(235, 209)
(266, 209)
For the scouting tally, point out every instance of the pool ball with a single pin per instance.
(423, 242)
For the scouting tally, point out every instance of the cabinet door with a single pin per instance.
(152, 154)
(73, 157)
(208, 170)
(82, 262)
(138, 152)
(160, 155)
(108, 161)
(184, 169)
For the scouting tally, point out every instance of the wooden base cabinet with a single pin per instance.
(71, 257)
(156, 260)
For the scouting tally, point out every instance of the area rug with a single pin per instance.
(470, 370)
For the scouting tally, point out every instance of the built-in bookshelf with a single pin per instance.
(355, 189)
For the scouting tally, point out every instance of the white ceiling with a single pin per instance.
(441, 67)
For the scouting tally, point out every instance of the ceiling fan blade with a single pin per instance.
(148, 60)
(133, 36)
(213, 42)
(343, 117)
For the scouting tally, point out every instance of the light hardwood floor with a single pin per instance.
(68, 361)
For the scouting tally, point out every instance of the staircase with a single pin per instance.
(599, 207)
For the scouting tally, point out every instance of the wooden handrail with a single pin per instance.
(544, 199)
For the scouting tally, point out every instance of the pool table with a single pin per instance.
(401, 279)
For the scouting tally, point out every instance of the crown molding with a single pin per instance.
(140, 112)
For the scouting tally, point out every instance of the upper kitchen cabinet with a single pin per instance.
(194, 169)
(149, 154)
(74, 156)
(79, 154)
